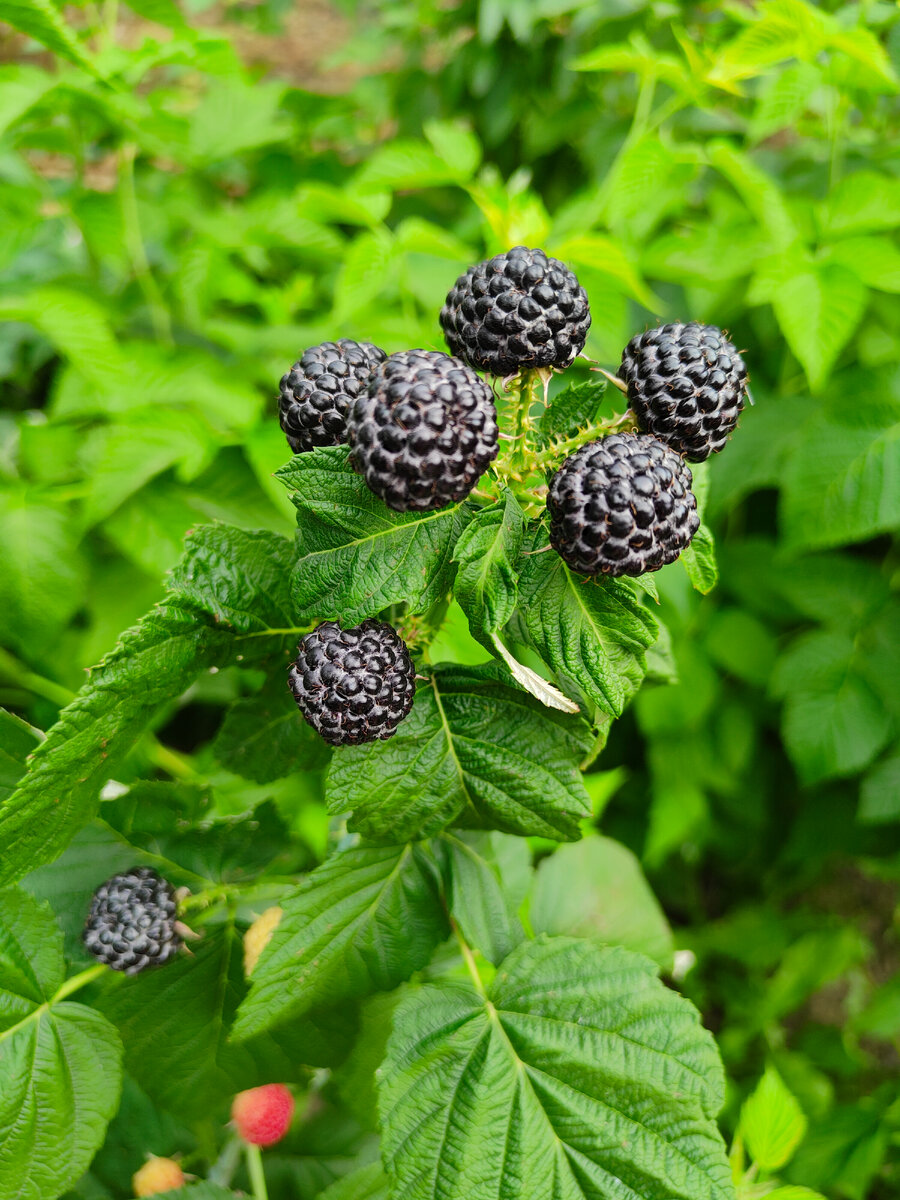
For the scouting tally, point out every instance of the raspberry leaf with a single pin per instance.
(487, 877)
(363, 921)
(595, 1079)
(264, 737)
(368, 1183)
(487, 551)
(699, 560)
(183, 1058)
(60, 1063)
(227, 602)
(572, 410)
(472, 742)
(357, 556)
(17, 741)
(593, 634)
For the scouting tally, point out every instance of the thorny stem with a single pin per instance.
(256, 1173)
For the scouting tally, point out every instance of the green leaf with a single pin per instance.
(60, 1063)
(264, 737)
(75, 325)
(772, 1122)
(471, 741)
(876, 260)
(699, 560)
(183, 1058)
(596, 888)
(594, 1079)
(366, 271)
(843, 483)
(488, 874)
(860, 203)
(357, 556)
(363, 921)
(368, 1183)
(456, 144)
(17, 741)
(228, 593)
(487, 552)
(879, 797)
(41, 20)
(591, 633)
(572, 410)
(833, 723)
(818, 308)
(399, 165)
(607, 256)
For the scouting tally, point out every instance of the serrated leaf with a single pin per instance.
(484, 873)
(183, 1058)
(591, 633)
(41, 20)
(571, 411)
(17, 740)
(487, 552)
(368, 1183)
(365, 272)
(363, 921)
(60, 1063)
(264, 737)
(772, 1122)
(404, 164)
(228, 589)
(595, 1080)
(471, 741)
(699, 560)
(818, 309)
(355, 555)
(596, 888)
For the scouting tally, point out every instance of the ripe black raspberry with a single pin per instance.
(686, 385)
(317, 391)
(131, 923)
(517, 310)
(621, 506)
(424, 432)
(353, 685)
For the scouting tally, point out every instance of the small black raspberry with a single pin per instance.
(353, 685)
(317, 391)
(132, 921)
(515, 311)
(686, 386)
(622, 505)
(424, 432)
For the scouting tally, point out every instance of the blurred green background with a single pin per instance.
(192, 194)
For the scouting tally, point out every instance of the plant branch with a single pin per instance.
(256, 1173)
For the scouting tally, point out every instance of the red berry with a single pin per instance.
(262, 1116)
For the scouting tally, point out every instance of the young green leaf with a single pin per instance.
(364, 920)
(228, 602)
(357, 556)
(368, 1183)
(772, 1122)
(572, 410)
(699, 560)
(60, 1063)
(596, 888)
(487, 876)
(471, 741)
(183, 1059)
(596, 1080)
(264, 737)
(591, 633)
(488, 550)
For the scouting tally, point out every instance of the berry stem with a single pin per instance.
(256, 1173)
(468, 959)
(79, 981)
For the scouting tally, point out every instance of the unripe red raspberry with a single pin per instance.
(262, 1115)
(157, 1175)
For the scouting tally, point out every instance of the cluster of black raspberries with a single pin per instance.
(422, 430)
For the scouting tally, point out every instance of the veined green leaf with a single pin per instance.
(471, 742)
(488, 874)
(772, 1122)
(42, 20)
(699, 560)
(363, 921)
(228, 602)
(357, 556)
(596, 1080)
(60, 1063)
(571, 411)
(591, 633)
(368, 1183)
(264, 737)
(488, 551)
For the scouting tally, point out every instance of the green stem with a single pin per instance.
(468, 959)
(256, 1173)
(137, 251)
(19, 674)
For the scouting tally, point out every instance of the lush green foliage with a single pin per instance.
(176, 225)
